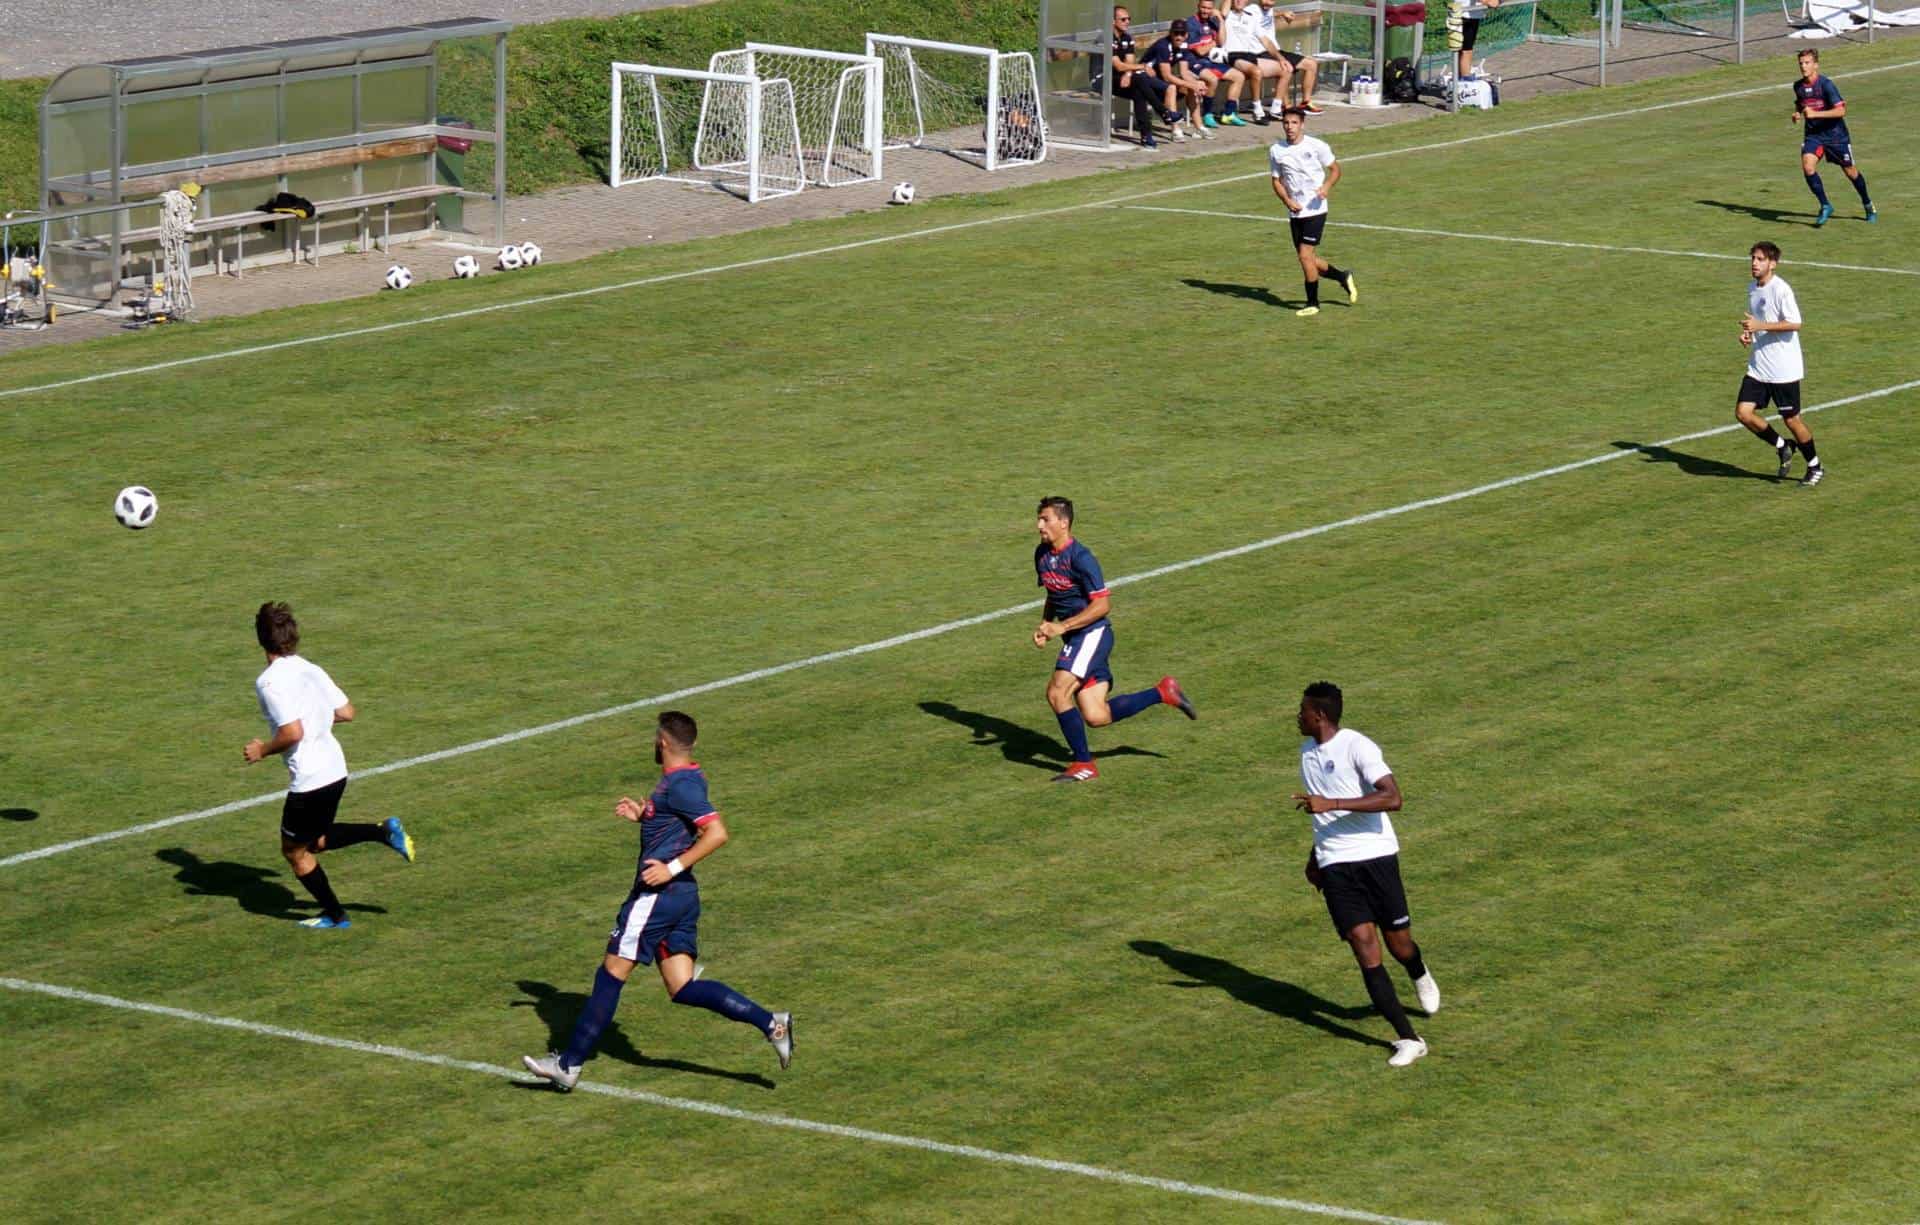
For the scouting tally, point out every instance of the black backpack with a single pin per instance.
(1400, 84)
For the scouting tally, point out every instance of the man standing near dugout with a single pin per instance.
(1355, 860)
(1771, 329)
(1304, 171)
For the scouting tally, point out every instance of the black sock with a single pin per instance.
(1313, 293)
(1772, 438)
(1380, 987)
(1414, 966)
(316, 883)
(1335, 275)
(1806, 449)
(342, 834)
(1860, 185)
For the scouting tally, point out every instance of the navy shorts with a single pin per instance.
(1836, 149)
(657, 923)
(1085, 655)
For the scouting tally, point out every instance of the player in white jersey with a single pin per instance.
(1355, 859)
(301, 704)
(1304, 172)
(1771, 330)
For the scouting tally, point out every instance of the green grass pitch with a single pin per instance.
(1653, 717)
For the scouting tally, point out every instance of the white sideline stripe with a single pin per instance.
(934, 631)
(837, 1130)
(1531, 242)
(837, 248)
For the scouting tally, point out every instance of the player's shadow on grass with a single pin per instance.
(1282, 999)
(1762, 213)
(257, 889)
(1021, 745)
(1252, 293)
(18, 814)
(560, 1009)
(1693, 465)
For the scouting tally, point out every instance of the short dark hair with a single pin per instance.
(1810, 53)
(1063, 506)
(1324, 696)
(1294, 110)
(1179, 27)
(1767, 249)
(276, 630)
(679, 728)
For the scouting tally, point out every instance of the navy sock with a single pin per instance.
(1074, 728)
(1860, 185)
(593, 1018)
(1128, 705)
(1819, 191)
(718, 997)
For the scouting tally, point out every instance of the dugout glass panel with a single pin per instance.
(395, 98)
(78, 141)
(1076, 91)
(161, 130)
(316, 109)
(243, 119)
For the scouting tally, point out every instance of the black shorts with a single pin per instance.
(1368, 891)
(1293, 58)
(1235, 58)
(1306, 230)
(307, 815)
(1783, 396)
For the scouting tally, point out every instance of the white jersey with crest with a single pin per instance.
(1776, 355)
(1346, 768)
(1301, 168)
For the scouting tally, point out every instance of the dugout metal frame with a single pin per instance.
(329, 111)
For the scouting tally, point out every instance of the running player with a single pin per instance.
(301, 704)
(1771, 328)
(1076, 614)
(1355, 859)
(1304, 172)
(656, 925)
(1818, 100)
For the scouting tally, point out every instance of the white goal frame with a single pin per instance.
(762, 161)
(1008, 73)
(837, 107)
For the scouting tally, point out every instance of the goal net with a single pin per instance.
(730, 130)
(836, 98)
(976, 103)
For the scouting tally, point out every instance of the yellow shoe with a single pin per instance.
(1353, 290)
(1304, 311)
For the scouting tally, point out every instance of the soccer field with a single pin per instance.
(1650, 707)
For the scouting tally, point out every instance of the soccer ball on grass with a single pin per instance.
(510, 257)
(902, 194)
(399, 276)
(466, 267)
(135, 507)
(529, 254)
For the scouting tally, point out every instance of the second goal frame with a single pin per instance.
(997, 95)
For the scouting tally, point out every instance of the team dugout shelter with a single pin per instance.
(348, 122)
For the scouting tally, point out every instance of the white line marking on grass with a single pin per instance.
(933, 631)
(1531, 242)
(735, 1114)
(837, 248)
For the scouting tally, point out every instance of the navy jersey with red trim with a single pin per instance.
(671, 818)
(1815, 96)
(1072, 579)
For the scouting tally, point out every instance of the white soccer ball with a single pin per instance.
(135, 506)
(466, 267)
(399, 276)
(902, 193)
(510, 257)
(529, 254)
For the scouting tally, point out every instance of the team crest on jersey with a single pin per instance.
(1054, 580)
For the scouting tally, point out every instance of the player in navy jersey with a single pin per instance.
(656, 925)
(1817, 100)
(1076, 614)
